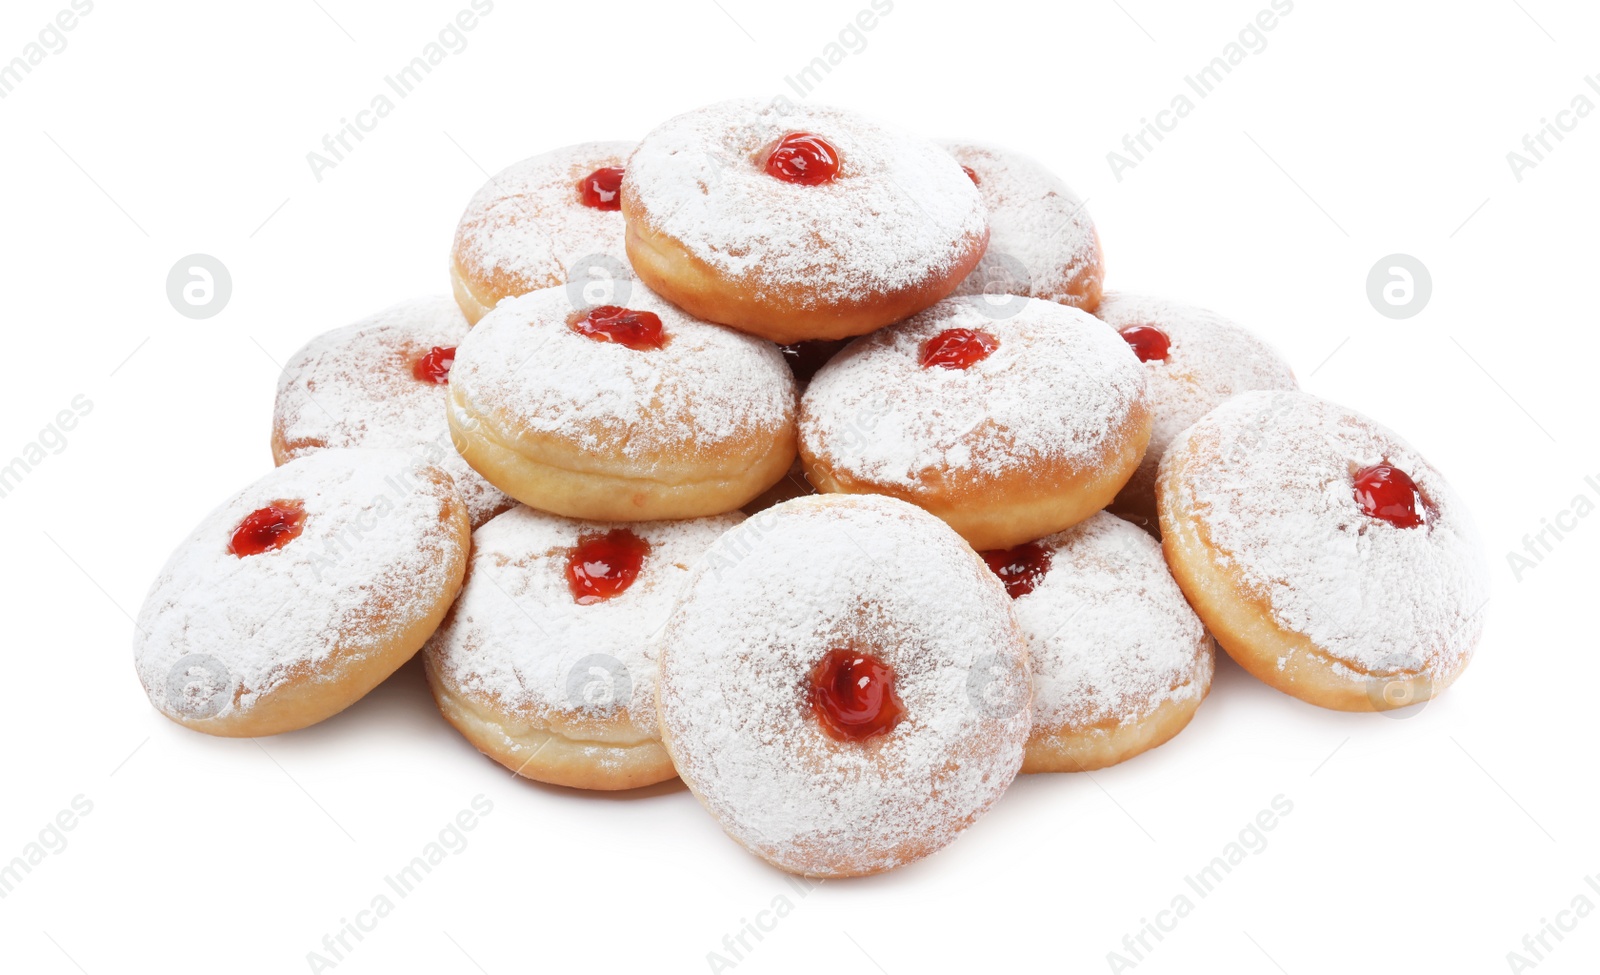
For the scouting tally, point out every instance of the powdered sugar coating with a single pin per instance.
(526, 229)
(354, 387)
(1109, 632)
(709, 387)
(518, 642)
(899, 214)
(1268, 477)
(1210, 359)
(1058, 390)
(773, 597)
(1042, 241)
(375, 554)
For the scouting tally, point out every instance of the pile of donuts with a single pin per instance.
(806, 460)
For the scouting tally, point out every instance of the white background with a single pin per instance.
(1362, 129)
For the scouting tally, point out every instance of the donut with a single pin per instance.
(1120, 661)
(542, 222)
(1042, 242)
(798, 222)
(843, 722)
(545, 662)
(1324, 553)
(1008, 428)
(381, 383)
(302, 592)
(620, 414)
(1194, 360)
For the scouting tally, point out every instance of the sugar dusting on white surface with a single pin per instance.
(769, 601)
(354, 387)
(373, 556)
(1269, 477)
(900, 213)
(1058, 389)
(517, 638)
(1110, 634)
(525, 368)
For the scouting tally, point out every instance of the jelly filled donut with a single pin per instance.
(539, 223)
(1194, 359)
(1120, 661)
(1042, 242)
(1007, 428)
(545, 662)
(302, 592)
(1326, 556)
(381, 383)
(847, 721)
(800, 222)
(620, 414)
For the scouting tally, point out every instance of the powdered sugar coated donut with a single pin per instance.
(274, 640)
(380, 383)
(1307, 590)
(1206, 359)
(739, 660)
(528, 228)
(1120, 661)
(711, 230)
(553, 688)
(1038, 433)
(1042, 241)
(596, 429)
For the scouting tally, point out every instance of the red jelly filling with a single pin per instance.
(853, 696)
(602, 189)
(958, 348)
(1148, 342)
(1021, 568)
(435, 366)
(1387, 492)
(803, 158)
(268, 529)
(603, 566)
(638, 330)
(972, 175)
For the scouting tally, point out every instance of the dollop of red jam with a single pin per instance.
(805, 358)
(603, 566)
(803, 158)
(638, 330)
(958, 348)
(972, 175)
(435, 366)
(1021, 568)
(1387, 492)
(853, 696)
(268, 529)
(602, 189)
(1149, 343)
